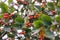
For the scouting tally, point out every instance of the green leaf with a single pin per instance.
(19, 20)
(57, 38)
(4, 7)
(58, 12)
(51, 6)
(53, 26)
(58, 19)
(58, 0)
(27, 30)
(32, 7)
(1, 16)
(38, 24)
(11, 35)
(58, 5)
(11, 9)
(10, 1)
(49, 33)
(45, 17)
(39, 8)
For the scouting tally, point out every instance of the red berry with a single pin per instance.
(53, 12)
(23, 32)
(19, 0)
(28, 24)
(26, 3)
(6, 16)
(7, 24)
(1, 22)
(30, 17)
(11, 15)
(0, 30)
(35, 16)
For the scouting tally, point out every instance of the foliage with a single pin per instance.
(38, 24)
(1, 16)
(10, 1)
(4, 7)
(51, 6)
(19, 20)
(11, 9)
(58, 19)
(11, 35)
(46, 19)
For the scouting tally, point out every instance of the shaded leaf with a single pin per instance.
(11, 9)
(45, 18)
(19, 20)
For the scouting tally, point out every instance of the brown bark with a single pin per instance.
(12, 38)
(42, 33)
(27, 38)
